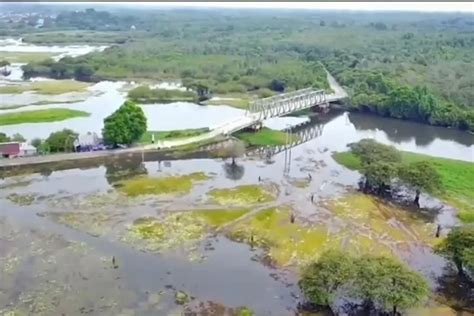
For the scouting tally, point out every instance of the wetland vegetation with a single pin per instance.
(37, 116)
(285, 51)
(455, 178)
(148, 233)
(46, 87)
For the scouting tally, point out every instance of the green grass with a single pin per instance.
(235, 103)
(264, 137)
(457, 178)
(162, 135)
(219, 217)
(53, 87)
(39, 116)
(25, 57)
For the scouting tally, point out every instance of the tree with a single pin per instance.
(36, 142)
(17, 137)
(389, 285)
(125, 126)
(385, 283)
(4, 138)
(83, 72)
(379, 164)
(378, 176)
(61, 141)
(278, 85)
(422, 176)
(321, 280)
(234, 150)
(459, 247)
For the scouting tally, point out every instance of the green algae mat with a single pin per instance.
(242, 195)
(360, 224)
(143, 185)
(178, 229)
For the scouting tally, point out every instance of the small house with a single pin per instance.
(9, 149)
(27, 150)
(87, 142)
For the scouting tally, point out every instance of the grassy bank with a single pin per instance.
(235, 103)
(162, 135)
(53, 87)
(25, 57)
(456, 177)
(264, 137)
(39, 116)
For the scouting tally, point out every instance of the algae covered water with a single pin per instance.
(145, 235)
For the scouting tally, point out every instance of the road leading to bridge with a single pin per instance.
(260, 110)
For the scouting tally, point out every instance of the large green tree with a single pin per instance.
(322, 279)
(389, 285)
(420, 175)
(384, 282)
(459, 247)
(125, 126)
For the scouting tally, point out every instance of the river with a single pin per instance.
(55, 266)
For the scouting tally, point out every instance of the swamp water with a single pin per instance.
(90, 241)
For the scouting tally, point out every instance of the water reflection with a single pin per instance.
(399, 131)
(456, 290)
(233, 171)
(118, 170)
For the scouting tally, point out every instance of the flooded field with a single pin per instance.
(143, 235)
(151, 236)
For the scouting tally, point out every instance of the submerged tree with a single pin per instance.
(321, 280)
(384, 283)
(420, 175)
(389, 285)
(459, 247)
(125, 126)
(379, 164)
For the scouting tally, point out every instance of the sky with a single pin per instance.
(370, 6)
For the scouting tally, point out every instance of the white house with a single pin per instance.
(27, 150)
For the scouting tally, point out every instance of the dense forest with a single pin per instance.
(415, 66)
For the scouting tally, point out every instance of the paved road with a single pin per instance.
(63, 157)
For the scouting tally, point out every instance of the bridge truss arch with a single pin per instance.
(287, 103)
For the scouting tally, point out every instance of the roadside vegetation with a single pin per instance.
(46, 87)
(148, 136)
(448, 179)
(40, 116)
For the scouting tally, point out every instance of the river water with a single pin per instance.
(47, 262)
